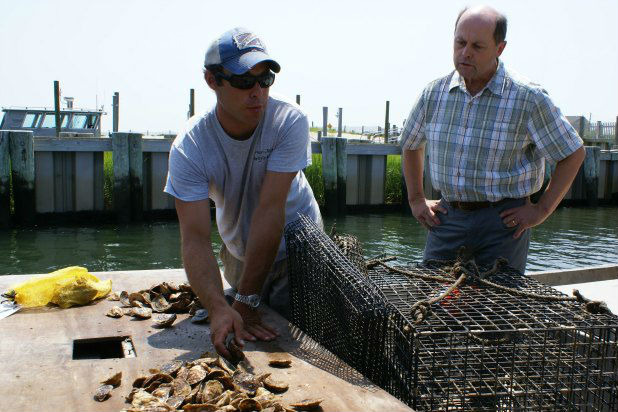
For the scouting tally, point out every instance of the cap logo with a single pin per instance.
(247, 40)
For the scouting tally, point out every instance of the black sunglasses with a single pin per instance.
(247, 80)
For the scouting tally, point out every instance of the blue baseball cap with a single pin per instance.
(238, 50)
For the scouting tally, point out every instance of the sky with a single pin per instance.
(350, 54)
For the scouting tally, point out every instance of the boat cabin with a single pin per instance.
(42, 121)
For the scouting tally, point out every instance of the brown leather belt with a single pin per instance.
(471, 206)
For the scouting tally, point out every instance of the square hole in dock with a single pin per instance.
(104, 348)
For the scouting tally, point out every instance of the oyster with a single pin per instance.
(201, 316)
(113, 380)
(275, 386)
(211, 390)
(196, 374)
(115, 312)
(175, 401)
(248, 405)
(113, 296)
(247, 382)
(236, 354)
(136, 299)
(160, 304)
(142, 313)
(139, 382)
(307, 404)
(124, 298)
(181, 388)
(164, 320)
(279, 361)
(163, 391)
(172, 367)
(200, 407)
(103, 392)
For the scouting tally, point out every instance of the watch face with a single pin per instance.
(254, 301)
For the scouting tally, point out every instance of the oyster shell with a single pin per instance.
(175, 401)
(280, 360)
(201, 316)
(136, 297)
(160, 304)
(248, 405)
(164, 320)
(172, 367)
(181, 388)
(275, 386)
(124, 298)
(113, 380)
(113, 296)
(103, 392)
(142, 313)
(196, 374)
(163, 391)
(211, 390)
(247, 381)
(115, 312)
(200, 407)
(236, 354)
(307, 404)
(139, 382)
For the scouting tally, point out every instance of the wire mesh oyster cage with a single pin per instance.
(502, 343)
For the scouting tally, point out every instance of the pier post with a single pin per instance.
(5, 173)
(591, 174)
(21, 148)
(191, 103)
(136, 173)
(616, 132)
(339, 121)
(115, 111)
(298, 99)
(329, 174)
(324, 121)
(122, 194)
(342, 173)
(57, 106)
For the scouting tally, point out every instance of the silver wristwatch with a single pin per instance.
(252, 301)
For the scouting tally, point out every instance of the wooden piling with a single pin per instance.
(5, 173)
(592, 164)
(298, 99)
(324, 121)
(122, 193)
(21, 148)
(616, 132)
(57, 106)
(342, 175)
(339, 121)
(329, 175)
(136, 174)
(115, 111)
(191, 103)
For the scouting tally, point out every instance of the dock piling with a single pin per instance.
(191, 103)
(324, 121)
(5, 172)
(342, 175)
(591, 174)
(120, 156)
(339, 121)
(136, 173)
(386, 123)
(115, 111)
(334, 173)
(57, 106)
(21, 148)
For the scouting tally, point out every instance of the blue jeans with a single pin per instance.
(482, 233)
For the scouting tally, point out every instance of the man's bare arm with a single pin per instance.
(423, 210)
(262, 246)
(531, 215)
(204, 275)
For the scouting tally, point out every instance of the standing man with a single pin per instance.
(247, 155)
(489, 133)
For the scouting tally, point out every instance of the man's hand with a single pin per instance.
(524, 217)
(253, 323)
(425, 211)
(223, 321)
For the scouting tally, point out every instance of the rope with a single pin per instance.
(469, 271)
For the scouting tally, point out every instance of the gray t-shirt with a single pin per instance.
(205, 162)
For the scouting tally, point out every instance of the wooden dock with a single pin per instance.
(39, 373)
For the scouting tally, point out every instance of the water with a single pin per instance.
(571, 237)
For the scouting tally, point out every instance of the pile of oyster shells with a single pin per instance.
(210, 384)
(164, 299)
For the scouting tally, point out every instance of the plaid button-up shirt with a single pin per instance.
(490, 146)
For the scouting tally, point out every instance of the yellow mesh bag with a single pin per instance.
(65, 287)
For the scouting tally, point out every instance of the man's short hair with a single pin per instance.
(499, 31)
(216, 70)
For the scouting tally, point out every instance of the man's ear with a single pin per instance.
(501, 47)
(211, 81)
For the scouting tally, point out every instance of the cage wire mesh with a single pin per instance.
(480, 348)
